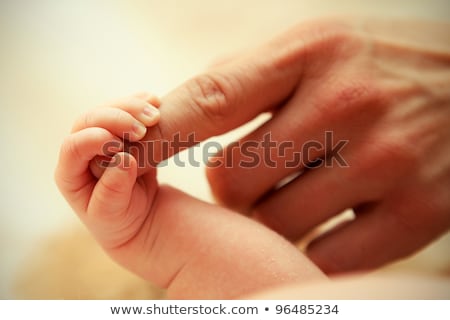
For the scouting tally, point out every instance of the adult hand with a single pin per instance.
(383, 87)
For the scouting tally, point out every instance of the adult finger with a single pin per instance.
(380, 233)
(322, 192)
(313, 198)
(229, 95)
(245, 171)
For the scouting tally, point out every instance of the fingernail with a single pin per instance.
(139, 129)
(150, 112)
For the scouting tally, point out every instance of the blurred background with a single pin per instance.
(61, 58)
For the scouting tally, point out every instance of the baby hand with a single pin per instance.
(195, 249)
(115, 203)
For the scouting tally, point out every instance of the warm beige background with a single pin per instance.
(59, 59)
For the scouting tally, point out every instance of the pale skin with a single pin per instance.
(385, 92)
(381, 85)
(160, 233)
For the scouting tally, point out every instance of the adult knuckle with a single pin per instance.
(212, 96)
(338, 33)
(329, 30)
(357, 97)
(337, 39)
(353, 93)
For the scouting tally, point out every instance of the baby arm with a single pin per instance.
(195, 249)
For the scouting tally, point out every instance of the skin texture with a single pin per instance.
(367, 287)
(384, 92)
(194, 249)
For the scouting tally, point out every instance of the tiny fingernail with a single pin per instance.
(139, 129)
(150, 111)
